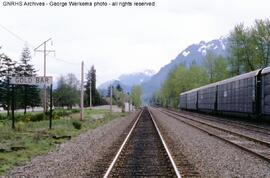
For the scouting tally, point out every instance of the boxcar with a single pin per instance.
(192, 99)
(207, 97)
(265, 97)
(238, 94)
(183, 101)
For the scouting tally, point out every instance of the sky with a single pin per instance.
(120, 40)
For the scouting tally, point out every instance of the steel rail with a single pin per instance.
(228, 121)
(222, 129)
(176, 116)
(109, 170)
(166, 147)
(121, 148)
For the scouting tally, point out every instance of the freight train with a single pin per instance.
(246, 94)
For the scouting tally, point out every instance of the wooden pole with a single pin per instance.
(82, 81)
(51, 107)
(90, 93)
(13, 108)
(111, 99)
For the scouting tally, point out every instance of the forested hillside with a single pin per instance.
(248, 49)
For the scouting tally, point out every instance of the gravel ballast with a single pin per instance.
(76, 157)
(211, 156)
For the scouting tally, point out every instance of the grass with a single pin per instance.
(35, 136)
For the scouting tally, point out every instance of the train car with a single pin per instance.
(265, 94)
(183, 101)
(207, 97)
(246, 94)
(238, 94)
(192, 98)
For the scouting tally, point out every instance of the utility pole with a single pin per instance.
(82, 82)
(130, 103)
(129, 98)
(111, 98)
(46, 52)
(90, 93)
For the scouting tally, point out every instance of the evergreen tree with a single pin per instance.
(29, 93)
(7, 69)
(119, 88)
(109, 91)
(91, 79)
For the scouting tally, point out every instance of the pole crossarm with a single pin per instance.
(45, 52)
(42, 44)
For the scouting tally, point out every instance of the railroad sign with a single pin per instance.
(39, 80)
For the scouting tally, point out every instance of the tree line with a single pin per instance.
(248, 49)
(119, 97)
(25, 95)
(66, 94)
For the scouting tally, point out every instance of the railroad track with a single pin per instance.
(239, 124)
(247, 143)
(144, 153)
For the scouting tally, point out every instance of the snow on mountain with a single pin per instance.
(151, 82)
(193, 53)
(185, 53)
(149, 72)
(128, 80)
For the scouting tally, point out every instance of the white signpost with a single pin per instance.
(31, 80)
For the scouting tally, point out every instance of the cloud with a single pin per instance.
(122, 40)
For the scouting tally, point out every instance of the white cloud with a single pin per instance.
(123, 40)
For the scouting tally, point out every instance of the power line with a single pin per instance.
(13, 34)
(32, 46)
(67, 62)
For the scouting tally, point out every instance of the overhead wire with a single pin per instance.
(32, 46)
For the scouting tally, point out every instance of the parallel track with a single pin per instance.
(144, 153)
(249, 144)
(239, 124)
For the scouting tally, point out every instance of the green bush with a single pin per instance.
(30, 117)
(20, 126)
(75, 110)
(65, 112)
(3, 117)
(55, 116)
(38, 117)
(24, 118)
(77, 125)
(62, 112)
(1, 125)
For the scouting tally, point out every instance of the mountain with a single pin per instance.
(103, 88)
(136, 78)
(194, 52)
(126, 81)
